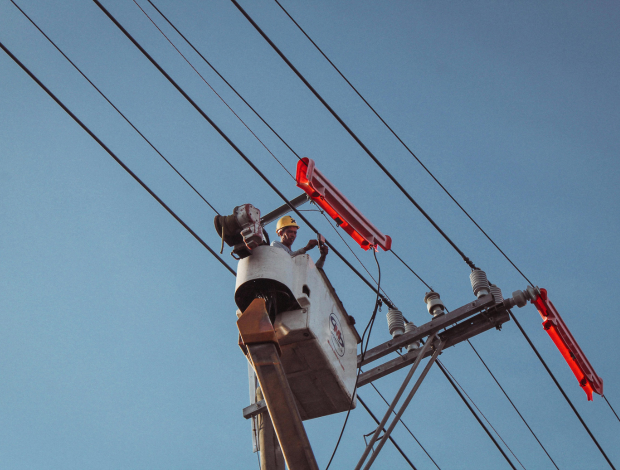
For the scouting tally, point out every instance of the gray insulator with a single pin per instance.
(396, 323)
(497, 293)
(434, 305)
(520, 298)
(416, 344)
(479, 282)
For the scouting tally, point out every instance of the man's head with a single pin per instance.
(287, 230)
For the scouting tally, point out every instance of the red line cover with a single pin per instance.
(570, 350)
(339, 208)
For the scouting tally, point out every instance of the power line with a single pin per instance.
(115, 108)
(400, 140)
(223, 79)
(409, 268)
(513, 405)
(229, 141)
(406, 427)
(485, 418)
(233, 145)
(542, 361)
(355, 137)
(195, 70)
(389, 437)
(368, 328)
(611, 408)
(475, 415)
(212, 89)
(113, 155)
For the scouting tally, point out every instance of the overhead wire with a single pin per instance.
(485, 418)
(443, 370)
(368, 328)
(250, 107)
(410, 151)
(223, 79)
(354, 136)
(389, 437)
(611, 408)
(570, 403)
(114, 106)
(113, 155)
(230, 142)
(400, 140)
(513, 405)
(212, 89)
(233, 145)
(406, 427)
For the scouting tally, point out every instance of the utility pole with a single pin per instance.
(271, 457)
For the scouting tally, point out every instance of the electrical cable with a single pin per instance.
(406, 427)
(223, 79)
(355, 137)
(234, 146)
(475, 415)
(115, 108)
(212, 89)
(350, 249)
(228, 140)
(414, 273)
(560, 388)
(485, 418)
(611, 408)
(389, 437)
(401, 141)
(113, 155)
(513, 405)
(368, 328)
(255, 112)
(385, 171)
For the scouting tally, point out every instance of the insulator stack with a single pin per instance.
(479, 282)
(497, 293)
(416, 344)
(396, 323)
(434, 305)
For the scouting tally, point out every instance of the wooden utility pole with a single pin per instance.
(271, 457)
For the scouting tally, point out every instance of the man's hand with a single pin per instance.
(311, 244)
(324, 250)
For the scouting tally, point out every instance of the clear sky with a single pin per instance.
(118, 342)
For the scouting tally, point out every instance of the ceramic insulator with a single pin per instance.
(497, 293)
(416, 344)
(479, 282)
(396, 323)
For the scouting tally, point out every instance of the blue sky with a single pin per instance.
(118, 343)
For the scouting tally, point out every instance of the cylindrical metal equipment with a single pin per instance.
(396, 323)
(434, 305)
(416, 344)
(479, 282)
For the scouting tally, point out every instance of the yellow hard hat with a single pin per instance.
(286, 221)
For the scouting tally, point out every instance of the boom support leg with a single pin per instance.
(262, 349)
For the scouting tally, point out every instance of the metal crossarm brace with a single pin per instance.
(427, 329)
(458, 333)
(437, 350)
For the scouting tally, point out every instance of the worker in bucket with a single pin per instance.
(287, 231)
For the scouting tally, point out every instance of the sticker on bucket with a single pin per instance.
(337, 337)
